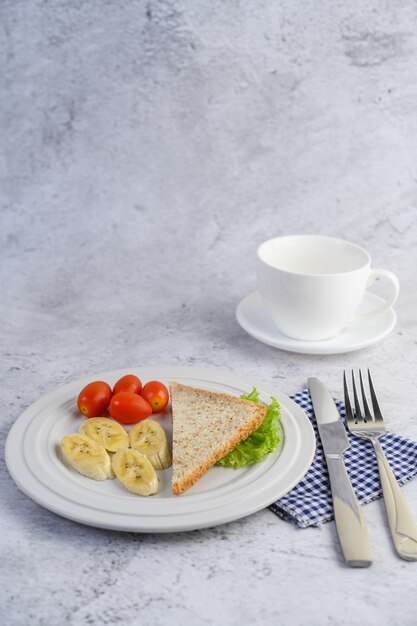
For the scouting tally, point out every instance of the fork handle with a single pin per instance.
(400, 519)
(350, 524)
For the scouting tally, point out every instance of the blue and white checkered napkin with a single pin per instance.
(310, 502)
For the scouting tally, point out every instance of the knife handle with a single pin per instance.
(350, 524)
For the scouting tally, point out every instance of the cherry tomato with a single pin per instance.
(156, 394)
(94, 398)
(130, 382)
(128, 408)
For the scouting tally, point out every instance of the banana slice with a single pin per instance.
(135, 472)
(149, 438)
(110, 434)
(87, 456)
(111, 455)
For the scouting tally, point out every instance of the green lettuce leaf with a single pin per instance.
(261, 442)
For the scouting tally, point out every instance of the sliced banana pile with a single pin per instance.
(149, 438)
(101, 451)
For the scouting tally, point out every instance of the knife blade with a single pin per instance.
(350, 524)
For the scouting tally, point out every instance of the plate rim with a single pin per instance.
(54, 504)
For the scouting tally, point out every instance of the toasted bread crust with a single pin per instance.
(244, 431)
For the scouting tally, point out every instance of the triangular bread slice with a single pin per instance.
(206, 426)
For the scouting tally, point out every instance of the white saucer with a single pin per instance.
(255, 320)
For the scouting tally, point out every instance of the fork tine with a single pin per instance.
(349, 413)
(358, 410)
(377, 411)
(368, 414)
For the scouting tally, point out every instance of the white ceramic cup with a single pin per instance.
(312, 285)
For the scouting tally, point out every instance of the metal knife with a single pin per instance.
(350, 524)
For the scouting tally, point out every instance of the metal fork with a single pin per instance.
(363, 424)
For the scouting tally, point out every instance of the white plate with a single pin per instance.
(223, 494)
(254, 319)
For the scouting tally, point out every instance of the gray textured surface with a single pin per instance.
(148, 149)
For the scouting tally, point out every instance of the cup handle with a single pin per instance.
(395, 290)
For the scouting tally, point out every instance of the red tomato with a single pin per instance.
(156, 394)
(128, 408)
(94, 398)
(130, 382)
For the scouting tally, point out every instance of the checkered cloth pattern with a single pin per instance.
(310, 502)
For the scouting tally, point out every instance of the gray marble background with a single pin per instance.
(147, 149)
